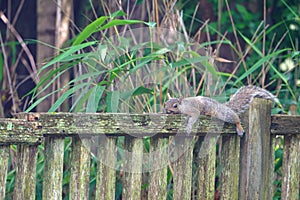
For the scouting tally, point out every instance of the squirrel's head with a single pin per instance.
(172, 106)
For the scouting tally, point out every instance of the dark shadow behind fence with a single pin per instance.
(246, 164)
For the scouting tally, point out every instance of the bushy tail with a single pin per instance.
(241, 100)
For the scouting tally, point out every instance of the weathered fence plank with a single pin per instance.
(159, 168)
(182, 167)
(291, 167)
(4, 156)
(255, 167)
(19, 131)
(133, 168)
(25, 182)
(106, 171)
(230, 155)
(206, 170)
(80, 168)
(53, 170)
(70, 124)
(285, 124)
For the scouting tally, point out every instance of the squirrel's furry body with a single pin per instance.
(228, 112)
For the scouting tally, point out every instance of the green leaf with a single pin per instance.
(244, 12)
(284, 79)
(142, 90)
(118, 13)
(66, 95)
(49, 79)
(38, 101)
(94, 98)
(118, 22)
(89, 30)
(67, 53)
(126, 94)
(290, 9)
(73, 57)
(80, 100)
(112, 101)
(258, 64)
(264, 59)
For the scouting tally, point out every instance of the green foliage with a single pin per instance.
(117, 72)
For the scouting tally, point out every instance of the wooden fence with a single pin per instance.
(246, 164)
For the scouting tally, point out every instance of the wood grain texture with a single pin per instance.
(25, 183)
(53, 171)
(291, 166)
(256, 157)
(4, 156)
(80, 169)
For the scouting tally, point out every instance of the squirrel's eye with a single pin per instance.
(175, 105)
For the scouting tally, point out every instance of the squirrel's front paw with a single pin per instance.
(189, 129)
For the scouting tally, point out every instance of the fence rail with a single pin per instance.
(246, 164)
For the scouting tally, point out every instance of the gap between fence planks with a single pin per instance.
(59, 125)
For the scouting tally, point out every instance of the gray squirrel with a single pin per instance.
(228, 112)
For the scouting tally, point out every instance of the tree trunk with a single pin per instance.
(53, 29)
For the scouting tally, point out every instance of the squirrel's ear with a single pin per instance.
(169, 96)
(180, 100)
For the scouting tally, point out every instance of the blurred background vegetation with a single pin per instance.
(88, 56)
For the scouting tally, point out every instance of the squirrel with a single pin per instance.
(228, 112)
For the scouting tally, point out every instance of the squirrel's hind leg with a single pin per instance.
(239, 129)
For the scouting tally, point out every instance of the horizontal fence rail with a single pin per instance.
(242, 167)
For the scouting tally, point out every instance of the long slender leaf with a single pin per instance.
(118, 22)
(77, 105)
(112, 101)
(38, 101)
(67, 53)
(89, 30)
(142, 90)
(118, 13)
(66, 95)
(258, 64)
(49, 77)
(283, 78)
(94, 98)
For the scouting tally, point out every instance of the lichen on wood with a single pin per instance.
(4, 155)
(80, 168)
(53, 170)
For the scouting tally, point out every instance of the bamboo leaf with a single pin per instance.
(142, 90)
(119, 13)
(89, 30)
(38, 101)
(67, 53)
(112, 101)
(66, 95)
(118, 22)
(94, 98)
